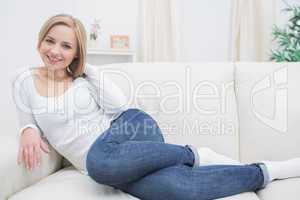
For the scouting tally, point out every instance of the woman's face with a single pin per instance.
(58, 49)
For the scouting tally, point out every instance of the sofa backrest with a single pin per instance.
(268, 96)
(193, 103)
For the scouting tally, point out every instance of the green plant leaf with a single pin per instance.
(287, 38)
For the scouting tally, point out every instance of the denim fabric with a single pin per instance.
(133, 157)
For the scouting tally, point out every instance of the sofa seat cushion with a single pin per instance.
(68, 183)
(281, 189)
(242, 196)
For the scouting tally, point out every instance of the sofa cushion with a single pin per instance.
(268, 106)
(14, 177)
(242, 196)
(68, 183)
(193, 103)
(281, 189)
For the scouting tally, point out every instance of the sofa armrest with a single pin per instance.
(14, 177)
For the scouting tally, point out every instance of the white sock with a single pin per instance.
(283, 169)
(210, 157)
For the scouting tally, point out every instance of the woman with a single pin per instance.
(123, 151)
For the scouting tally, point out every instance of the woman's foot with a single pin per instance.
(283, 169)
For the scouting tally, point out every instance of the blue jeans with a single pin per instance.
(132, 156)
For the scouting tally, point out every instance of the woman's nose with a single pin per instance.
(55, 50)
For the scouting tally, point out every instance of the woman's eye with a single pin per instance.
(49, 41)
(66, 46)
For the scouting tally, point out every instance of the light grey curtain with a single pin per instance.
(252, 21)
(159, 34)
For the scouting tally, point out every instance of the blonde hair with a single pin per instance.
(76, 67)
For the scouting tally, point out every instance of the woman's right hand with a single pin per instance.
(30, 149)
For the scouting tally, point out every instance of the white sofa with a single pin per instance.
(247, 111)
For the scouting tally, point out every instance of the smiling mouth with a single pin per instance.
(53, 60)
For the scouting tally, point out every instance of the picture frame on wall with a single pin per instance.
(119, 41)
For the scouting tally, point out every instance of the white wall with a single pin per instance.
(117, 17)
(205, 30)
